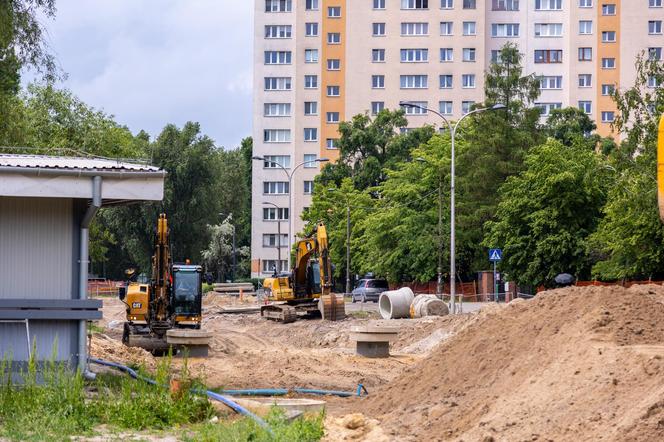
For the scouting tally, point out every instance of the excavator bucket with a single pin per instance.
(332, 307)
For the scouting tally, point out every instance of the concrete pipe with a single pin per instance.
(428, 305)
(395, 304)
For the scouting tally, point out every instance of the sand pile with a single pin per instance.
(571, 364)
(109, 349)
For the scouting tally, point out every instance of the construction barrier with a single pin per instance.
(103, 287)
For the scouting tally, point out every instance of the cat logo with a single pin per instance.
(136, 305)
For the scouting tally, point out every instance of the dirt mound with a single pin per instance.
(109, 349)
(571, 364)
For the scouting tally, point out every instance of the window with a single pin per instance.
(311, 5)
(585, 80)
(505, 30)
(378, 55)
(548, 29)
(414, 81)
(546, 108)
(655, 53)
(467, 106)
(468, 54)
(446, 4)
(446, 81)
(332, 117)
(311, 55)
(414, 4)
(609, 9)
(308, 187)
(273, 214)
(421, 108)
(310, 160)
(468, 80)
(333, 91)
(585, 54)
(310, 134)
(311, 29)
(608, 89)
(608, 36)
(334, 11)
(333, 64)
(270, 266)
(585, 3)
(377, 106)
(414, 55)
(378, 81)
(277, 109)
(655, 3)
(469, 4)
(495, 56)
(652, 82)
(469, 28)
(331, 143)
(551, 82)
(586, 106)
(379, 4)
(378, 29)
(505, 5)
(273, 240)
(419, 28)
(445, 107)
(655, 27)
(281, 31)
(548, 56)
(548, 5)
(276, 136)
(446, 54)
(585, 27)
(310, 108)
(277, 83)
(311, 81)
(274, 161)
(278, 5)
(277, 57)
(608, 63)
(333, 38)
(275, 187)
(608, 117)
(446, 27)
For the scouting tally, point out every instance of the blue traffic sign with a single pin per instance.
(495, 255)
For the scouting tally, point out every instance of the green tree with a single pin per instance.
(219, 253)
(547, 213)
(571, 125)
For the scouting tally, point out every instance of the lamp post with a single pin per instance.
(289, 175)
(453, 130)
(278, 268)
(348, 288)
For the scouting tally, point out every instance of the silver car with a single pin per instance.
(369, 290)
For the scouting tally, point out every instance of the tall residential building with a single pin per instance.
(318, 62)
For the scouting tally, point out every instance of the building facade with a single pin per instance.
(318, 62)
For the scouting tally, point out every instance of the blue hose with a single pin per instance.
(211, 394)
(284, 391)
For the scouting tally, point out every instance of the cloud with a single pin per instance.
(154, 62)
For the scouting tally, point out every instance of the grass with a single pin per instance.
(53, 403)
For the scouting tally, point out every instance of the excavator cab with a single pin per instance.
(187, 294)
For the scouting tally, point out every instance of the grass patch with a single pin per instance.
(94, 328)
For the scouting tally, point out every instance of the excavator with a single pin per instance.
(307, 291)
(170, 301)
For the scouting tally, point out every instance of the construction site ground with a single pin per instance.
(570, 364)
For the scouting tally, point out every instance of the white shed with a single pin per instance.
(46, 206)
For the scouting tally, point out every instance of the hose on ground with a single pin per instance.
(285, 391)
(211, 394)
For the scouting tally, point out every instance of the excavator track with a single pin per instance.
(279, 312)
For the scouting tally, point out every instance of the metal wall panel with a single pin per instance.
(36, 248)
(49, 338)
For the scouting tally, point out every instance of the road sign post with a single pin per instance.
(495, 255)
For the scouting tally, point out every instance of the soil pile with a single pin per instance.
(571, 364)
(109, 349)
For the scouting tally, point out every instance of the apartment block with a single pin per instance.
(319, 62)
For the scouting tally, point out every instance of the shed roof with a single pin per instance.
(71, 163)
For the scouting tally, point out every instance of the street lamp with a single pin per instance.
(453, 130)
(290, 192)
(348, 288)
(278, 267)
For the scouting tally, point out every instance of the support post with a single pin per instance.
(348, 249)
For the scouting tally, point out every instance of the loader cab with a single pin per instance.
(187, 292)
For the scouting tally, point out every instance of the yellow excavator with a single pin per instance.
(307, 291)
(171, 300)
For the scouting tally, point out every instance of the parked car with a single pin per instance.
(369, 290)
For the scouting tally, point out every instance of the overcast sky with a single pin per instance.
(153, 62)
